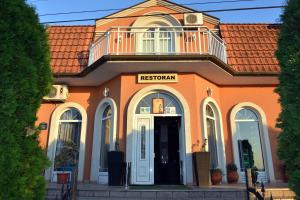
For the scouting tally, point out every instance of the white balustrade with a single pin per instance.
(158, 41)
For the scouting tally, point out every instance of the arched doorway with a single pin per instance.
(158, 143)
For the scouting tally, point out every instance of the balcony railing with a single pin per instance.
(158, 41)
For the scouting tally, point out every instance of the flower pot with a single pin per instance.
(201, 161)
(232, 176)
(215, 177)
(62, 177)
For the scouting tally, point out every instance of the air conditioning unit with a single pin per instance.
(193, 19)
(57, 93)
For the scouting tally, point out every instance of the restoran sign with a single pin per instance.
(155, 78)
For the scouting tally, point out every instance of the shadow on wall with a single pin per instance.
(279, 168)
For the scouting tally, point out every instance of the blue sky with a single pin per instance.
(250, 16)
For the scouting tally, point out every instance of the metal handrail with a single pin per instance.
(126, 40)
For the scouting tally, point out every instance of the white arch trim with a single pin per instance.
(165, 20)
(219, 134)
(187, 162)
(97, 134)
(53, 135)
(266, 147)
(143, 23)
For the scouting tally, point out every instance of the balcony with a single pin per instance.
(158, 41)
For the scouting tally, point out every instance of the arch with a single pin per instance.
(264, 134)
(187, 162)
(97, 132)
(219, 129)
(142, 24)
(53, 134)
(162, 20)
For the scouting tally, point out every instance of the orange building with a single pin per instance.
(155, 81)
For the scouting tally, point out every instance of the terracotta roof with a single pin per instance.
(251, 47)
(69, 48)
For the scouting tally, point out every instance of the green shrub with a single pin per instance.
(288, 55)
(25, 77)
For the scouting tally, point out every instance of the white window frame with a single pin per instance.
(218, 132)
(96, 176)
(264, 134)
(53, 135)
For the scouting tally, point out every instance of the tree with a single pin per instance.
(288, 54)
(25, 77)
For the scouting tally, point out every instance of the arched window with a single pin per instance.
(68, 132)
(249, 139)
(211, 134)
(170, 104)
(105, 137)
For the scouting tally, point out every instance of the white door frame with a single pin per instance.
(186, 134)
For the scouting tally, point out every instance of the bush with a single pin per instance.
(24, 79)
(288, 55)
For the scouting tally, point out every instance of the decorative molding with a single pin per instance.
(264, 134)
(187, 161)
(53, 134)
(219, 131)
(97, 132)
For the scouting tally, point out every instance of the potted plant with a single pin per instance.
(201, 162)
(65, 160)
(216, 176)
(232, 174)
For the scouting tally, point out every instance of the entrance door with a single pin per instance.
(166, 149)
(144, 151)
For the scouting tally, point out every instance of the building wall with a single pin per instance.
(192, 87)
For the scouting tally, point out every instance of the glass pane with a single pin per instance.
(68, 134)
(143, 142)
(71, 114)
(210, 112)
(171, 105)
(148, 46)
(105, 141)
(107, 112)
(250, 145)
(244, 114)
(212, 142)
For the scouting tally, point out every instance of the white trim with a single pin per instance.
(264, 134)
(219, 131)
(163, 21)
(187, 161)
(97, 131)
(53, 134)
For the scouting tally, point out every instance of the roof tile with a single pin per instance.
(69, 47)
(251, 47)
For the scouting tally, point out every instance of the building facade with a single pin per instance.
(156, 81)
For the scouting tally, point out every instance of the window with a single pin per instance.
(105, 137)
(249, 139)
(211, 134)
(171, 105)
(68, 131)
(158, 40)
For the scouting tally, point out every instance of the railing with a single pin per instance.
(158, 41)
